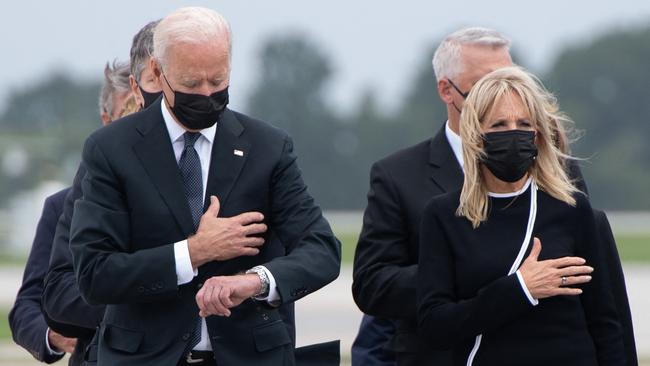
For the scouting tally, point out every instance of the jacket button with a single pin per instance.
(186, 336)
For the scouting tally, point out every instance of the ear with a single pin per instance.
(155, 68)
(136, 91)
(106, 119)
(444, 91)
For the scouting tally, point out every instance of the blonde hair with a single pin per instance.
(548, 170)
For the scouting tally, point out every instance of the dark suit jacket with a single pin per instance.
(385, 262)
(28, 326)
(386, 257)
(370, 345)
(617, 279)
(67, 312)
(134, 208)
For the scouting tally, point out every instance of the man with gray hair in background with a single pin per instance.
(197, 225)
(386, 257)
(115, 91)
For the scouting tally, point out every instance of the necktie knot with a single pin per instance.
(190, 138)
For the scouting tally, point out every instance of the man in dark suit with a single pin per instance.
(196, 225)
(385, 263)
(66, 311)
(28, 326)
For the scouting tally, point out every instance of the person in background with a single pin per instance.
(386, 257)
(29, 326)
(115, 91)
(144, 85)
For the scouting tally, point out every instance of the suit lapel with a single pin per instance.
(229, 153)
(156, 154)
(446, 173)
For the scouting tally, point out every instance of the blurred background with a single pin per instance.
(352, 82)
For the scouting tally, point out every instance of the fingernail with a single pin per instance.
(589, 278)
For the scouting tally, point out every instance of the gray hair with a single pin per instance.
(116, 81)
(447, 62)
(192, 25)
(142, 49)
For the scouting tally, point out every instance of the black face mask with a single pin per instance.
(149, 98)
(197, 111)
(509, 154)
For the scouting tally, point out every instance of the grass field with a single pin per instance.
(631, 248)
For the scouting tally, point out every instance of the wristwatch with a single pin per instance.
(264, 279)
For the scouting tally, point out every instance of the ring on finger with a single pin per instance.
(564, 281)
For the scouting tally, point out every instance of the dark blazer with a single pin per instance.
(386, 257)
(28, 326)
(67, 312)
(617, 278)
(134, 208)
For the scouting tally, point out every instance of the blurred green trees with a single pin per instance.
(603, 85)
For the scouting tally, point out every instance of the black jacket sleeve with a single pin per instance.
(61, 298)
(384, 275)
(617, 279)
(28, 326)
(313, 252)
(597, 297)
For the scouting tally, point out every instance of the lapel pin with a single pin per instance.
(238, 152)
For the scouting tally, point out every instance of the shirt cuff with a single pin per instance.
(47, 345)
(530, 298)
(273, 298)
(184, 271)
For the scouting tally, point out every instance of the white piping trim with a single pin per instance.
(532, 215)
(472, 354)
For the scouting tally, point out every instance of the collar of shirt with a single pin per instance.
(176, 131)
(455, 143)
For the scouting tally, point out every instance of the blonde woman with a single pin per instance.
(509, 266)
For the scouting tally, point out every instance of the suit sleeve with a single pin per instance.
(107, 270)
(384, 273)
(597, 297)
(617, 280)
(443, 318)
(313, 252)
(28, 326)
(62, 300)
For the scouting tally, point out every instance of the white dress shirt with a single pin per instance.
(184, 271)
(49, 348)
(455, 143)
